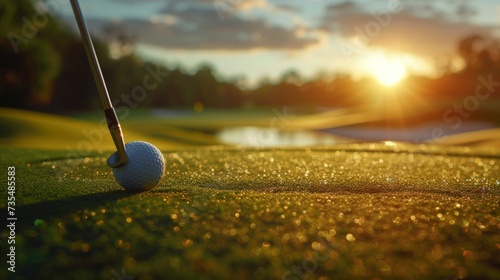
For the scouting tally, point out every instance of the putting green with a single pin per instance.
(377, 211)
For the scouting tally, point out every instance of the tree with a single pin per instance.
(30, 61)
(479, 52)
(120, 41)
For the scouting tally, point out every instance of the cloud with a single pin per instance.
(418, 29)
(343, 7)
(225, 4)
(465, 10)
(286, 8)
(135, 1)
(196, 25)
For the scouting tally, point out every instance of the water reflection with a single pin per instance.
(272, 137)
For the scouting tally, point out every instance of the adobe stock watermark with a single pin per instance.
(310, 265)
(31, 26)
(223, 7)
(462, 110)
(121, 276)
(266, 137)
(93, 139)
(371, 29)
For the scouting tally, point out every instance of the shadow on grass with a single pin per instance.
(27, 214)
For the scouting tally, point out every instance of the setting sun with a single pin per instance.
(387, 71)
(391, 73)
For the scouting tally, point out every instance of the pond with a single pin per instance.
(272, 137)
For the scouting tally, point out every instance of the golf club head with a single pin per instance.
(118, 158)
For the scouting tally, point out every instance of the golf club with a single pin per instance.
(109, 110)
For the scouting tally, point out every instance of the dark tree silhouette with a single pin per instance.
(28, 54)
(479, 52)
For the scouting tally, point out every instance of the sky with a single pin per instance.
(253, 39)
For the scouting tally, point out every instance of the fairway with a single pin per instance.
(353, 211)
(21, 128)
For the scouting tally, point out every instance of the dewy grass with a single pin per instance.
(350, 212)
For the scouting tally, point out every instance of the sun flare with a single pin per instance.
(391, 73)
(387, 71)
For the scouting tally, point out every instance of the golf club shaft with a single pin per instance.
(109, 111)
(92, 56)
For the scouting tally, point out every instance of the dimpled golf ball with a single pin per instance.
(144, 168)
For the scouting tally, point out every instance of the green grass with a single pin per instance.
(352, 211)
(30, 129)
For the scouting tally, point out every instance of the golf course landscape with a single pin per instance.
(256, 139)
(349, 211)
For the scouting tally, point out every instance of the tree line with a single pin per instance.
(43, 67)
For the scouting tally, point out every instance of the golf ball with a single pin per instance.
(144, 168)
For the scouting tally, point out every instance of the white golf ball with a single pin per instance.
(144, 168)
